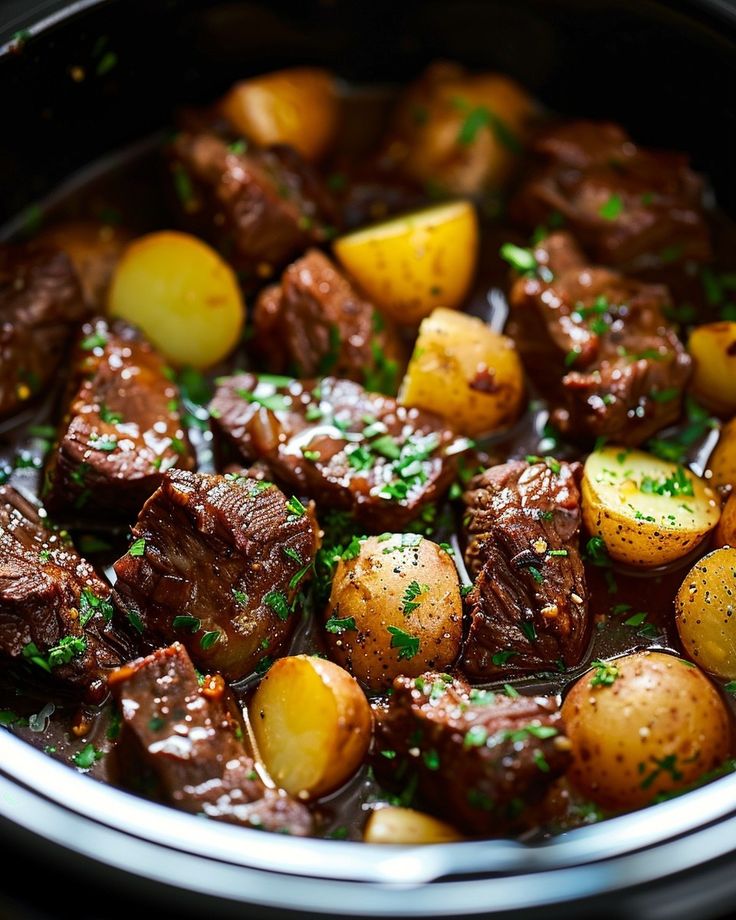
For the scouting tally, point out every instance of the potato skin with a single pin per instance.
(182, 294)
(638, 527)
(722, 463)
(713, 349)
(433, 141)
(312, 725)
(298, 106)
(415, 262)
(463, 370)
(372, 590)
(725, 534)
(660, 726)
(705, 612)
(405, 825)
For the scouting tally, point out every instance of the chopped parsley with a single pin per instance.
(475, 736)
(523, 260)
(612, 208)
(295, 508)
(209, 639)
(193, 624)
(676, 484)
(135, 621)
(276, 402)
(90, 603)
(87, 757)
(499, 659)
(276, 600)
(407, 644)
(409, 601)
(605, 673)
(338, 625)
(138, 548)
(95, 340)
(292, 554)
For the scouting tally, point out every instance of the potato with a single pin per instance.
(182, 295)
(713, 349)
(463, 370)
(648, 511)
(415, 262)
(722, 463)
(395, 609)
(644, 724)
(704, 612)
(94, 249)
(312, 725)
(725, 534)
(405, 825)
(299, 107)
(459, 132)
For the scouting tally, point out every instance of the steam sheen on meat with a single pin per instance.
(191, 738)
(529, 602)
(217, 563)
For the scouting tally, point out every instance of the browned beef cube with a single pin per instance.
(599, 345)
(529, 603)
(315, 322)
(217, 562)
(480, 759)
(347, 448)
(627, 205)
(123, 428)
(55, 612)
(40, 301)
(191, 737)
(259, 207)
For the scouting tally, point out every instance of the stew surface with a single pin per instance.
(366, 465)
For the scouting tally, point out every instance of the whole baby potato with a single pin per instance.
(393, 824)
(395, 609)
(641, 725)
(705, 610)
(725, 534)
(182, 294)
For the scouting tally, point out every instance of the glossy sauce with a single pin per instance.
(126, 190)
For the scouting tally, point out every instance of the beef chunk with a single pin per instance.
(217, 562)
(123, 427)
(347, 448)
(316, 322)
(260, 207)
(479, 759)
(55, 612)
(529, 603)
(598, 343)
(627, 205)
(40, 300)
(190, 737)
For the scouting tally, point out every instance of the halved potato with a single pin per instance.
(464, 371)
(415, 262)
(299, 107)
(405, 825)
(312, 725)
(644, 724)
(705, 611)
(722, 463)
(647, 511)
(182, 295)
(713, 349)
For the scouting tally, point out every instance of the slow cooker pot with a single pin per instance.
(667, 72)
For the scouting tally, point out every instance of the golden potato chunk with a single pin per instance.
(705, 611)
(464, 371)
(722, 463)
(312, 725)
(725, 534)
(182, 295)
(299, 107)
(641, 725)
(415, 262)
(405, 825)
(648, 511)
(713, 349)
(395, 609)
